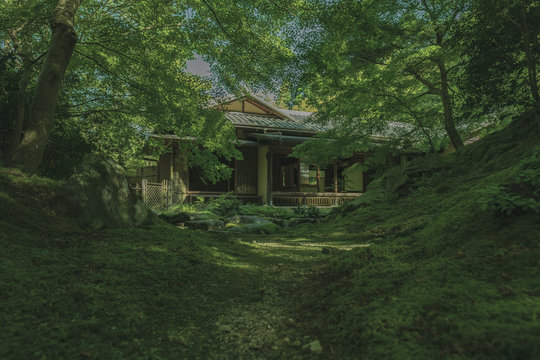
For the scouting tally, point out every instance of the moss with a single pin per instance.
(429, 275)
(441, 277)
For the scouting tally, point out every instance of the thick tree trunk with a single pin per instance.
(29, 154)
(451, 130)
(15, 139)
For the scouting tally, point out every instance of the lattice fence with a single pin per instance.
(157, 195)
(153, 195)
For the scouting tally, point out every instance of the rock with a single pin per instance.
(100, 195)
(315, 347)
(183, 217)
(251, 224)
(247, 219)
(296, 343)
(225, 328)
(204, 224)
(175, 218)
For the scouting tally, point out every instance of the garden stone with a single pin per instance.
(204, 224)
(247, 219)
(259, 228)
(100, 195)
(182, 217)
(175, 218)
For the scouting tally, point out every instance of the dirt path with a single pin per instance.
(265, 321)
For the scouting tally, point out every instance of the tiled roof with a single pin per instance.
(299, 121)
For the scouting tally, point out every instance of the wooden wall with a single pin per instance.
(247, 172)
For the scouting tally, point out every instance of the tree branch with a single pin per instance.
(431, 87)
(415, 117)
(220, 24)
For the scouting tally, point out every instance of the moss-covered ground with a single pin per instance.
(158, 292)
(440, 259)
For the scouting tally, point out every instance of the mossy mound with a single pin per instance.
(450, 263)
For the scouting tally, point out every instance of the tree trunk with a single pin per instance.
(15, 139)
(29, 154)
(455, 139)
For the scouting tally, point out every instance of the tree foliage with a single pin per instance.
(417, 72)
(501, 44)
(127, 77)
(371, 64)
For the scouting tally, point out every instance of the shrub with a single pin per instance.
(308, 212)
(521, 195)
(226, 205)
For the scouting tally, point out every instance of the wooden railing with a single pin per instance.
(311, 199)
(207, 195)
(165, 194)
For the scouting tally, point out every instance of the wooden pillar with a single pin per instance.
(270, 159)
(318, 179)
(163, 193)
(171, 175)
(144, 189)
(299, 175)
(335, 182)
(235, 176)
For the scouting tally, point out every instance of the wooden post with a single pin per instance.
(164, 193)
(235, 191)
(299, 176)
(335, 182)
(318, 179)
(269, 177)
(144, 189)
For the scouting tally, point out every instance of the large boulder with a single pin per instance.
(100, 195)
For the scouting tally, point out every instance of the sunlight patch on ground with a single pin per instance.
(230, 261)
(155, 248)
(307, 246)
